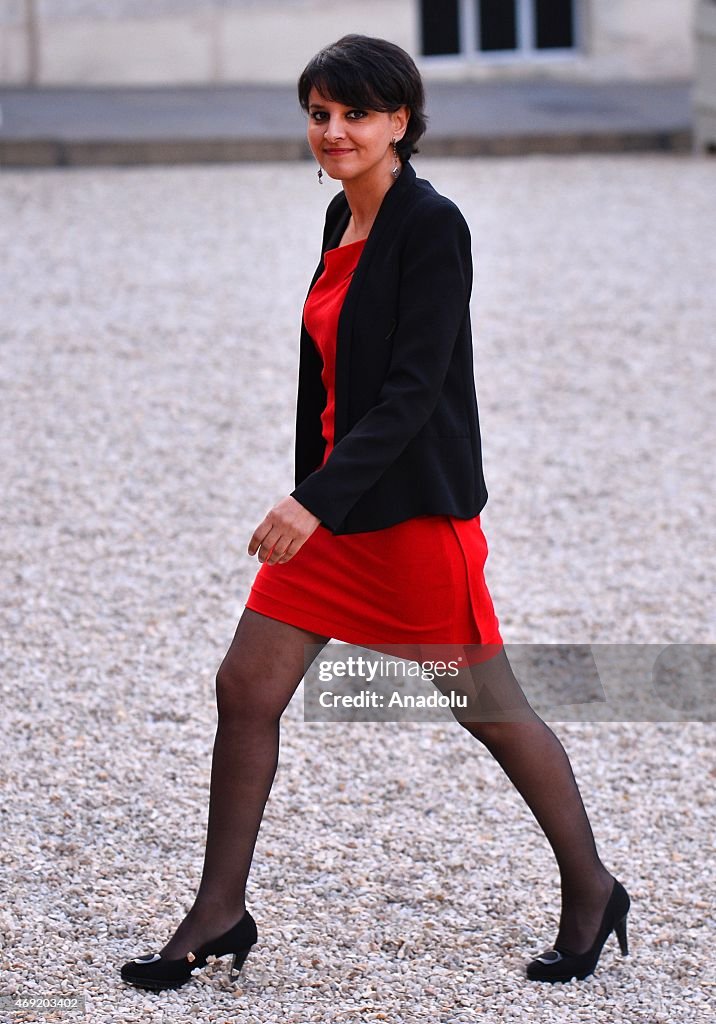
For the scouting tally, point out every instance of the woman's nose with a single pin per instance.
(334, 130)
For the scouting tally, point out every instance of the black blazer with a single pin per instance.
(406, 435)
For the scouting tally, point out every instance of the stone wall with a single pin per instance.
(156, 42)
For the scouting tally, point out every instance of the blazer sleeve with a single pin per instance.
(435, 286)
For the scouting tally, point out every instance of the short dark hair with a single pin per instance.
(374, 74)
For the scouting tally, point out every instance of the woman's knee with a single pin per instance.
(262, 667)
(486, 732)
(242, 694)
(495, 731)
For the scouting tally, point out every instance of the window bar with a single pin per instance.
(469, 28)
(525, 26)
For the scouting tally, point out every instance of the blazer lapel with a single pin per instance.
(389, 208)
(335, 235)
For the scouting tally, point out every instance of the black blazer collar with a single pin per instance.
(390, 203)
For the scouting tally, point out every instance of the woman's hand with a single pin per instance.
(282, 531)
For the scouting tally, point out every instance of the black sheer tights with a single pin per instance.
(256, 680)
(532, 757)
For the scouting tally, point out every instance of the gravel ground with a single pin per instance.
(149, 339)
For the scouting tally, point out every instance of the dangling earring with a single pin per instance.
(396, 169)
(320, 175)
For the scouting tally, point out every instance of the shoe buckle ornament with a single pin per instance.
(552, 956)
(190, 957)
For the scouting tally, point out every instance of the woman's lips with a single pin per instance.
(337, 152)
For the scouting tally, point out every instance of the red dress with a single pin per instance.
(419, 581)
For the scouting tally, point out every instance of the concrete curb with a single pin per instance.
(83, 153)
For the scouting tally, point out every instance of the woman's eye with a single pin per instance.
(352, 115)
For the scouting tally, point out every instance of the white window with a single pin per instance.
(497, 27)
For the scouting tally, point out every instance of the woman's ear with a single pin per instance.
(400, 122)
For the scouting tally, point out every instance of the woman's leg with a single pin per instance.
(536, 763)
(254, 684)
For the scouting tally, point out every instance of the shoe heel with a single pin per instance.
(238, 961)
(621, 929)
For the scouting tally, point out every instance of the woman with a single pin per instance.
(384, 514)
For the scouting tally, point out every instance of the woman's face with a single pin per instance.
(351, 143)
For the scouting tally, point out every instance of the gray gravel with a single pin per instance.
(149, 355)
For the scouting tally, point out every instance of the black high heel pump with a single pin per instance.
(155, 972)
(560, 965)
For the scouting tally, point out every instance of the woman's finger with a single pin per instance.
(290, 551)
(268, 544)
(278, 551)
(259, 535)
